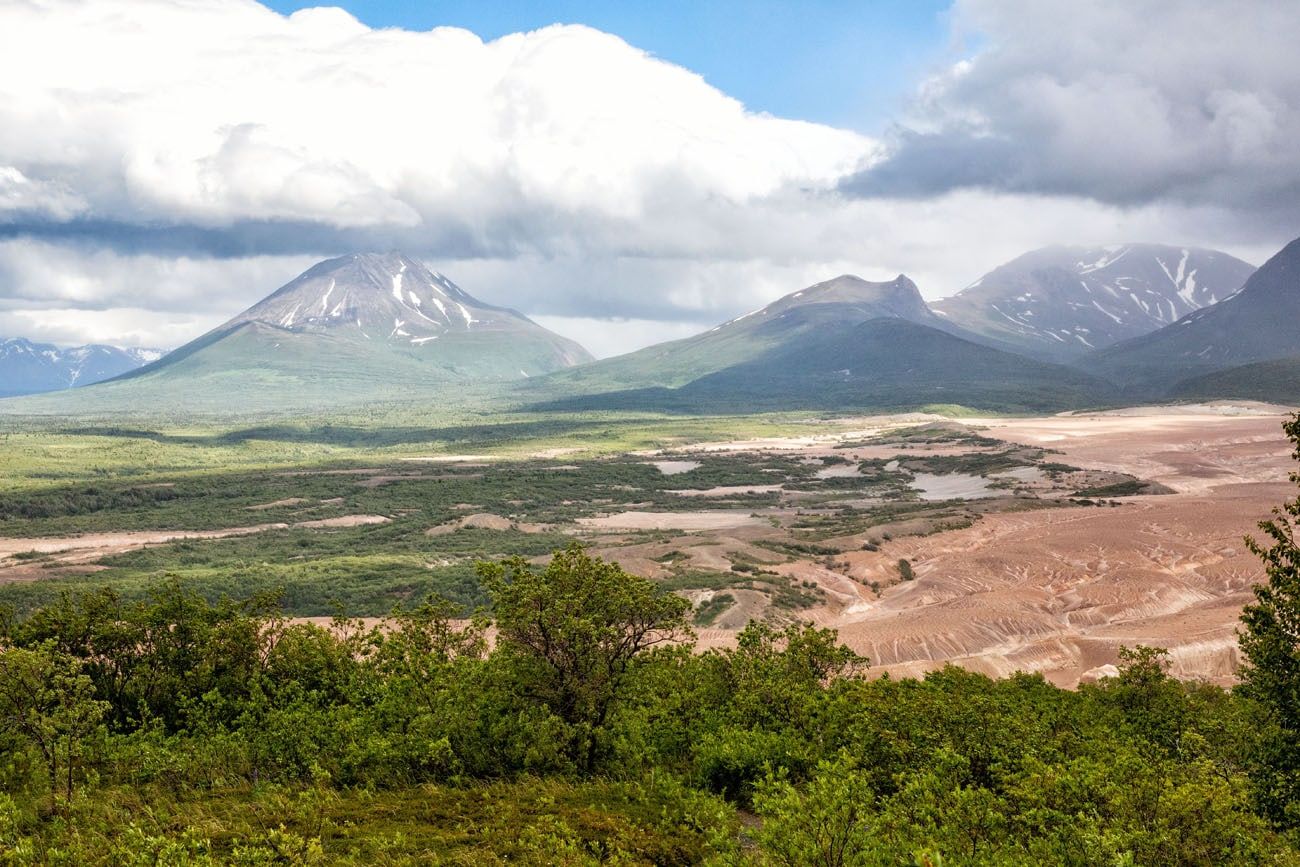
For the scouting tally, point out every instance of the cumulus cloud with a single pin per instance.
(217, 112)
(38, 274)
(173, 161)
(125, 326)
(1123, 101)
(198, 131)
(72, 294)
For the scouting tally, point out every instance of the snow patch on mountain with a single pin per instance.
(1092, 297)
(30, 368)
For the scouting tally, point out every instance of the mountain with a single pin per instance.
(1061, 303)
(880, 363)
(30, 368)
(392, 305)
(843, 299)
(1259, 323)
(358, 328)
(1276, 381)
(844, 344)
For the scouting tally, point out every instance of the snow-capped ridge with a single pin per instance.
(1064, 301)
(29, 368)
(390, 293)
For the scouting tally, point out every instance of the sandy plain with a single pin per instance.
(1056, 590)
(1059, 591)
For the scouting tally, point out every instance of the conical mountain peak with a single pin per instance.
(388, 296)
(357, 328)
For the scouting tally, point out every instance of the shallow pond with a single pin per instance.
(839, 471)
(951, 486)
(674, 468)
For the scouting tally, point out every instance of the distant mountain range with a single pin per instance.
(1061, 303)
(1058, 328)
(876, 363)
(845, 343)
(30, 368)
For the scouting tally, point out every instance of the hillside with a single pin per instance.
(843, 299)
(1276, 381)
(834, 363)
(1257, 324)
(1063, 302)
(359, 328)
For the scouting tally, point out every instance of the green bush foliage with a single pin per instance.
(577, 723)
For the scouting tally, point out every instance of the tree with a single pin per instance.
(572, 632)
(1151, 703)
(1270, 641)
(827, 822)
(773, 674)
(769, 694)
(46, 699)
(154, 656)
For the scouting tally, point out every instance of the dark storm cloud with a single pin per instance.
(1123, 101)
(242, 238)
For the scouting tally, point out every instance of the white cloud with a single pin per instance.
(1124, 101)
(166, 163)
(943, 243)
(116, 326)
(20, 195)
(607, 337)
(212, 111)
(38, 274)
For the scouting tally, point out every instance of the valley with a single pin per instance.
(998, 543)
(625, 434)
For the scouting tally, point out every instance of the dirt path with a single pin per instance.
(715, 520)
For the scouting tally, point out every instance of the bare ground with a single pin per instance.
(78, 554)
(1059, 591)
(1054, 590)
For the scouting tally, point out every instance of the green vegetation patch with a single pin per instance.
(1126, 488)
(713, 608)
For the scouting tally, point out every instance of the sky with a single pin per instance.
(801, 60)
(622, 172)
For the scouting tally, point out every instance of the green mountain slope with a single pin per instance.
(883, 363)
(1276, 381)
(357, 329)
(845, 298)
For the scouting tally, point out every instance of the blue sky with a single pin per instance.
(840, 62)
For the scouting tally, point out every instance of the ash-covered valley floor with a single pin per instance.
(1028, 587)
(1036, 544)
